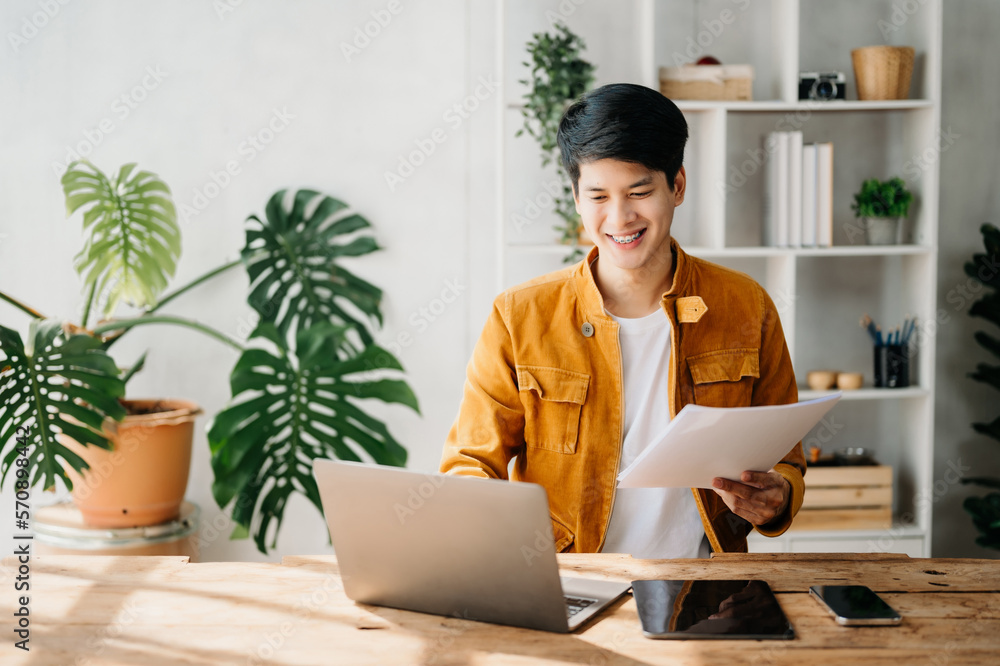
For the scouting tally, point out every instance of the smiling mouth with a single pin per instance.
(625, 240)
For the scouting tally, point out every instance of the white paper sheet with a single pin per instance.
(701, 443)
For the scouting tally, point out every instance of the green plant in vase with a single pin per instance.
(559, 75)
(882, 207)
(303, 371)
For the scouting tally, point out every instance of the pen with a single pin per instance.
(869, 325)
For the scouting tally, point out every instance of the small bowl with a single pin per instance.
(819, 380)
(854, 455)
(850, 381)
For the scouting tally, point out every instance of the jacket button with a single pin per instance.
(587, 328)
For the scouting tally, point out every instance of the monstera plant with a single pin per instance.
(296, 384)
(985, 267)
(295, 389)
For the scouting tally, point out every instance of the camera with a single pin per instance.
(822, 85)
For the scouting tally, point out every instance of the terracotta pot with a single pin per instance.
(142, 480)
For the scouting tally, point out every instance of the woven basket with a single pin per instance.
(883, 72)
(707, 82)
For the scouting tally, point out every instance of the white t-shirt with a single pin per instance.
(656, 523)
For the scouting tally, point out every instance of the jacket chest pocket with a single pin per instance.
(553, 399)
(724, 378)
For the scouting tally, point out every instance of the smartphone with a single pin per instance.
(854, 605)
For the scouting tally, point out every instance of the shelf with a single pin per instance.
(896, 531)
(818, 300)
(771, 106)
(553, 248)
(836, 251)
(862, 250)
(870, 393)
(707, 252)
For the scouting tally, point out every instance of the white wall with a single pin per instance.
(226, 73)
(223, 74)
(970, 163)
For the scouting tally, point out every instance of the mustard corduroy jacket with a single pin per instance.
(544, 387)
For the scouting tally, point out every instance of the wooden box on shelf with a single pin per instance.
(846, 498)
(707, 82)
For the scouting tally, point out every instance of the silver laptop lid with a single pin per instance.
(478, 549)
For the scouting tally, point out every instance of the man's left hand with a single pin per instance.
(758, 497)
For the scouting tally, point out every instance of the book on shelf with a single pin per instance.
(809, 182)
(824, 196)
(798, 192)
(775, 197)
(795, 189)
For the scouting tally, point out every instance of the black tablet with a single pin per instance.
(705, 609)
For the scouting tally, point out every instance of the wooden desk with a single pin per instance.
(165, 611)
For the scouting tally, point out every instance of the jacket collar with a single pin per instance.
(591, 298)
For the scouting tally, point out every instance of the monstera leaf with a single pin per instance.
(134, 240)
(290, 257)
(44, 383)
(291, 407)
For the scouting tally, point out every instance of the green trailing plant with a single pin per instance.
(888, 198)
(985, 267)
(295, 386)
(559, 75)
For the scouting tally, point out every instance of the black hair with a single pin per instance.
(626, 122)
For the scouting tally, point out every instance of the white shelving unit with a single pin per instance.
(820, 292)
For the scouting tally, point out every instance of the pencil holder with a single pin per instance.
(892, 366)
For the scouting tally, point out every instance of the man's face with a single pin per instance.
(618, 200)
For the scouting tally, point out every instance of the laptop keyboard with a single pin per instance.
(576, 604)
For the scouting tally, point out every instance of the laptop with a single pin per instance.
(477, 549)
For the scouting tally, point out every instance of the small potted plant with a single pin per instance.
(558, 77)
(294, 383)
(985, 511)
(882, 206)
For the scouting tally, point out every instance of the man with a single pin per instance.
(578, 370)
